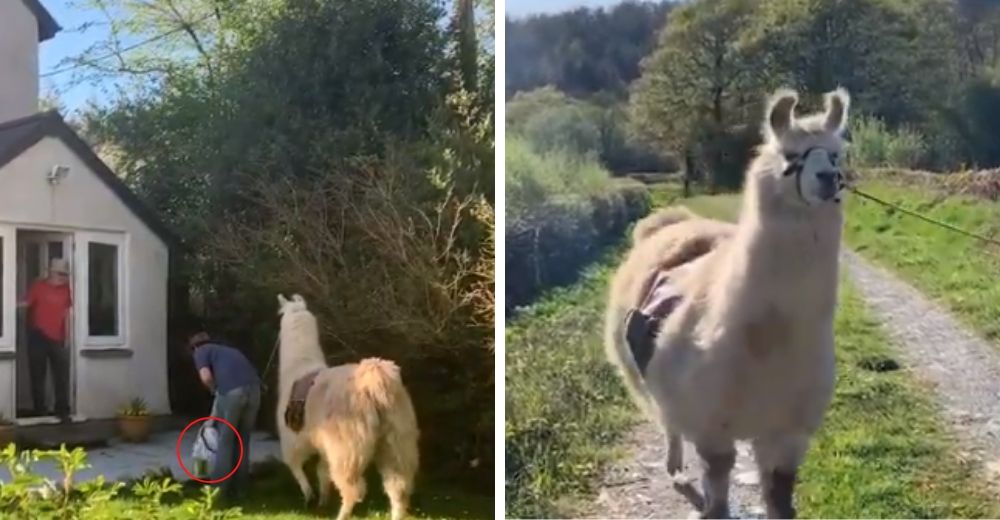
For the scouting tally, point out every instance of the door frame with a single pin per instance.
(44, 236)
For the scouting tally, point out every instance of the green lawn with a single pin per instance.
(881, 453)
(957, 271)
(275, 495)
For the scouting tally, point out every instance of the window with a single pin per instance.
(8, 298)
(103, 291)
(2, 288)
(55, 251)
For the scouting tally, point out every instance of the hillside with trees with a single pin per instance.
(686, 82)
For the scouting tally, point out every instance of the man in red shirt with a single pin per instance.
(49, 304)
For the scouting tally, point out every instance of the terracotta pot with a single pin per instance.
(135, 428)
(6, 434)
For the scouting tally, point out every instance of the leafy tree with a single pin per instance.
(697, 85)
(550, 120)
(583, 51)
(273, 106)
(893, 56)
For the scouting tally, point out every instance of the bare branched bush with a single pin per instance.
(371, 260)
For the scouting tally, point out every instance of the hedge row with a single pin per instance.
(984, 184)
(549, 247)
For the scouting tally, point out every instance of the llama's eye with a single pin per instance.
(790, 157)
(834, 157)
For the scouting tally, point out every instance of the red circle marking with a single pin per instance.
(181, 462)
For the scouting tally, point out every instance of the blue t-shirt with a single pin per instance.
(230, 368)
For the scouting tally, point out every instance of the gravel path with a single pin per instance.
(640, 487)
(963, 369)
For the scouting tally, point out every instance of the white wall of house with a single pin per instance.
(18, 61)
(83, 205)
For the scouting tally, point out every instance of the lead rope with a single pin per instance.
(267, 367)
(925, 218)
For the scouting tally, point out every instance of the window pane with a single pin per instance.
(32, 272)
(2, 288)
(102, 304)
(55, 251)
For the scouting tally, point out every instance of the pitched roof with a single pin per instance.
(47, 26)
(18, 135)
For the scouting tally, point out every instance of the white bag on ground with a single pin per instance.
(205, 447)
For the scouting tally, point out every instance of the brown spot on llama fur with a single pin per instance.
(765, 333)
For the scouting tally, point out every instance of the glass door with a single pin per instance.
(35, 251)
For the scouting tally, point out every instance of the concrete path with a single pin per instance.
(124, 461)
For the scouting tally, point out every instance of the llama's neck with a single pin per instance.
(792, 252)
(300, 353)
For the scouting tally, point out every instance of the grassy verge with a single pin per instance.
(957, 271)
(565, 406)
(882, 452)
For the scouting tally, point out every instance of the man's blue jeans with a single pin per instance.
(238, 406)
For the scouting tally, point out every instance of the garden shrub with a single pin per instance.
(27, 495)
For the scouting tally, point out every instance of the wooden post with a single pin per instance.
(688, 170)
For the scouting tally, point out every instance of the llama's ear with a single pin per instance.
(780, 110)
(282, 301)
(837, 102)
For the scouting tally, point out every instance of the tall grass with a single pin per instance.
(534, 179)
(563, 208)
(873, 144)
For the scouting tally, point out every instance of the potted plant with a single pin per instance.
(6, 431)
(134, 421)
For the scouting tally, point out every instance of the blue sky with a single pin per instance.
(70, 42)
(519, 8)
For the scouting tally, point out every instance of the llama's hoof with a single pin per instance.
(781, 512)
(716, 512)
(674, 465)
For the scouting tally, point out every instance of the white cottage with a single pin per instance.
(58, 199)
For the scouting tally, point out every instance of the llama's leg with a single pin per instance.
(295, 458)
(346, 460)
(675, 453)
(323, 481)
(352, 490)
(778, 460)
(719, 459)
(397, 461)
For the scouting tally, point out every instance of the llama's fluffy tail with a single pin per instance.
(698, 238)
(378, 382)
(619, 354)
(655, 221)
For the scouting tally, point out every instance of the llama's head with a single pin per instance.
(295, 315)
(286, 306)
(299, 331)
(801, 156)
